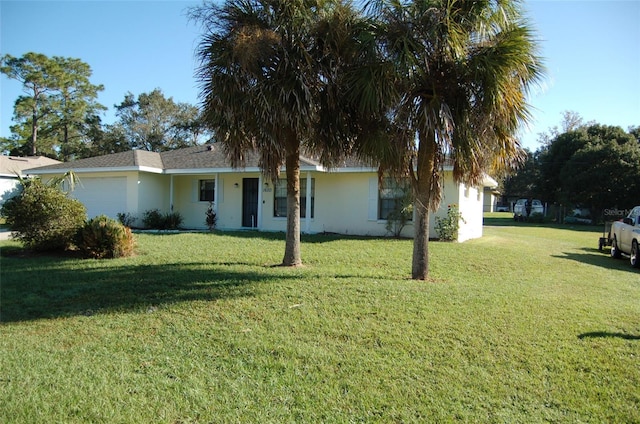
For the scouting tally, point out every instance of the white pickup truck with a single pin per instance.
(625, 237)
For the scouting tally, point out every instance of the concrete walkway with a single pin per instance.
(4, 235)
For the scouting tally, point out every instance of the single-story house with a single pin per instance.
(491, 196)
(12, 169)
(345, 200)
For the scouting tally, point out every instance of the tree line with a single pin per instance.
(582, 165)
(59, 115)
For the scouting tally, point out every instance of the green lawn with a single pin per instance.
(528, 324)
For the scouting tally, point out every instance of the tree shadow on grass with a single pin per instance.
(272, 235)
(593, 256)
(50, 287)
(606, 334)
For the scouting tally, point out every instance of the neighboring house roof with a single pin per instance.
(12, 166)
(491, 183)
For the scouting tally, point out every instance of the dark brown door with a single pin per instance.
(250, 202)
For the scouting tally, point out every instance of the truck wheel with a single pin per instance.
(615, 252)
(633, 258)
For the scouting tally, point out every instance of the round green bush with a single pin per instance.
(103, 237)
(43, 217)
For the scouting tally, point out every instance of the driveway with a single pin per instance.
(4, 234)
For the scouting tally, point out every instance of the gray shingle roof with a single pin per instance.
(209, 156)
(132, 158)
(197, 157)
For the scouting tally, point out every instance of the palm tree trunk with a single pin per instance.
(424, 186)
(34, 131)
(420, 263)
(292, 256)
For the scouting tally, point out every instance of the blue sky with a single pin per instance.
(591, 50)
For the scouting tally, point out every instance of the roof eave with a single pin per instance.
(151, 170)
(226, 170)
(489, 182)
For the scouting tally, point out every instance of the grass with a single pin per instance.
(528, 324)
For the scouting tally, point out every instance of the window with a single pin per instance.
(280, 198)
(207, 190)
(393, 196)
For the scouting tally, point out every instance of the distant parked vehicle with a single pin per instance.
(625, 237)
(522, 209)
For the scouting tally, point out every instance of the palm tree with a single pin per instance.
(463, 69)
(272, 82)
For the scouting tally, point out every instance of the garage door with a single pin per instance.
(102, 196)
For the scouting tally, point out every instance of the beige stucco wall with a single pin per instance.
(228, 200)
(142, 191)
(489, 201)
(345, 202)
(470, 205)
(185, 200)
(153, 192)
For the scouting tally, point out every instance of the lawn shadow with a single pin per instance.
(593, 256)
(245, 234)
(606, 334)
(508, 221)
(270, 235)
(50, 287)
(499, 221)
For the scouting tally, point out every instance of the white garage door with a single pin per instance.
(102, 196)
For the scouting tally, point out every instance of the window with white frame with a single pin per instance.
(280, 198)
(392, 195)
(207, 190)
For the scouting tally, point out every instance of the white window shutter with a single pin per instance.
(219, 190)
(373, 198)
(195, 191)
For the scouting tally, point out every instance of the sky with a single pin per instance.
(591, 50)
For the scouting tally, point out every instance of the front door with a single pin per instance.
(249, 202)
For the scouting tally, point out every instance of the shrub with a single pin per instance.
(172, 221)
(103, 237)
(400, 215)
(154, 219)
(126, 219)
(211, 217)
(447, 227)
(43, 217)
